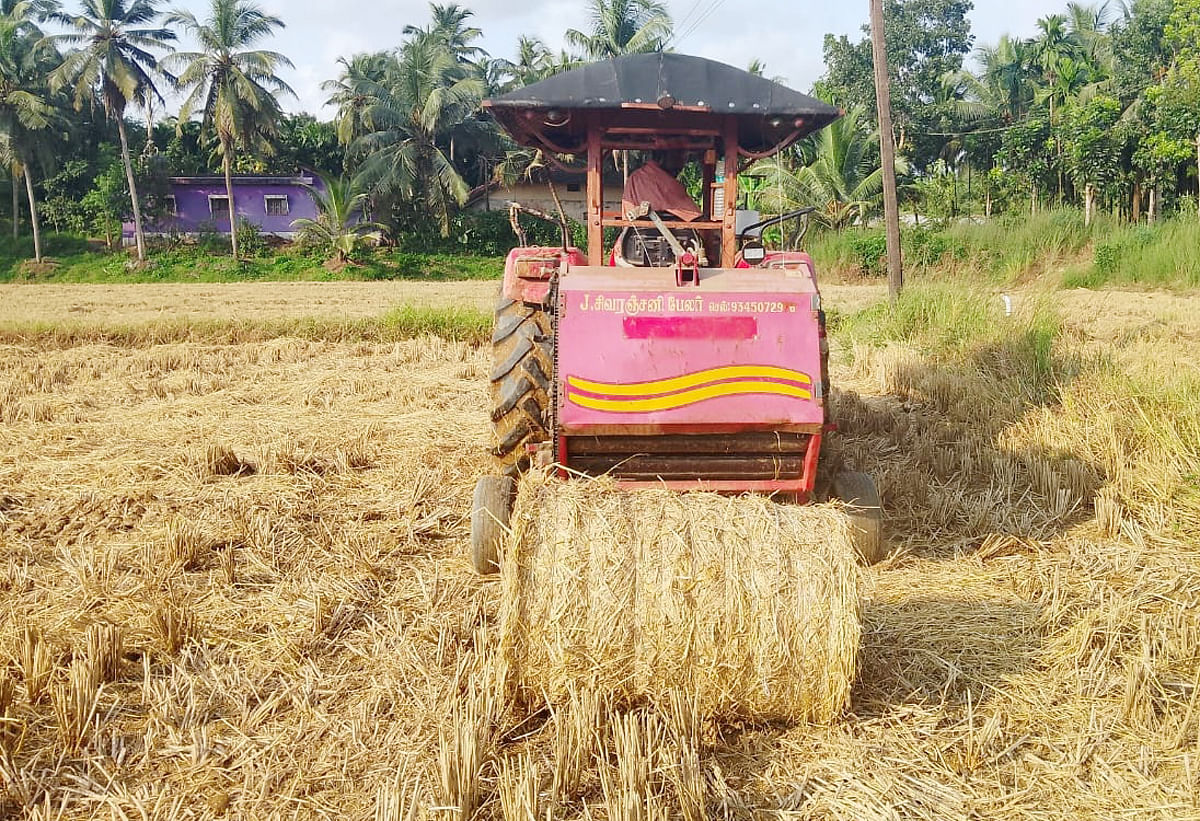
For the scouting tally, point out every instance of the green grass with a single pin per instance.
(1166, 255)
(1004, 250)
(1010, 249)
(1001, 250)
(402, 322)
(942, 316)
(965, 327)
(74, 260)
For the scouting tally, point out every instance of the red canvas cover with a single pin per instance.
(652, 184)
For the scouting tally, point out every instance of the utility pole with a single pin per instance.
(887, 152)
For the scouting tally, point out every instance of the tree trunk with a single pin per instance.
(150, 148)
(133, 195)
(1136, 205)
(1089, 203)
(228, 163)
(887, 152)
(16, 212)
(987, 204)
(33, 217)
(1152, 210)
(1033, 202)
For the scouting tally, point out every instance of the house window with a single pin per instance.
(276, 204)
(171, 205)
(573, 187)
(218, 205)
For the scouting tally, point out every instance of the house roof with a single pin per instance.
(243, 179)
(767, 112)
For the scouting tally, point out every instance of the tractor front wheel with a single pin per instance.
(523, 363)
(491, 510)
(861, 496)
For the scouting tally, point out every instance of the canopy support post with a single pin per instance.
(729, 248)
(595, 196)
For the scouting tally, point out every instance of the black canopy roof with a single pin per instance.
(767, 112)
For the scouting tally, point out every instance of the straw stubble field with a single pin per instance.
(234, 585)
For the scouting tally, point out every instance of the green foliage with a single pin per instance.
(623, 27)
(869, 249)
(1183, 32)
(425, 99)
(950, 320)
(1158, 158)
(339, 231)
(926, 41)
(938, 194)
(107, 203)
(1160, 256)
(232, 85)
(304, 141)
(927, 247)
(843, 180)
(1028, 151)
(1140, 42)
(465, 324)
(1000, 250)
(114, 61)
(249, 237)
(1092, 145)
(199, 262)
(485, 233)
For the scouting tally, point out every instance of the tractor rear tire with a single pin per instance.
(523, 366)
(491, 511)
(861, 496)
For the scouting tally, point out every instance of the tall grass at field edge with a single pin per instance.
(1000, 250)
(1011, 249)
(402, 322)
(1161, 256)
(72, 259)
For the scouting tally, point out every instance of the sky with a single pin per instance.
(786, 35)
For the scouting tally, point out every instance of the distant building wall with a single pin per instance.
(537, 195)
(271, 203)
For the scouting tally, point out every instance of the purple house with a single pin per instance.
(200, 204)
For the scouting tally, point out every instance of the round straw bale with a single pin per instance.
(750, 605)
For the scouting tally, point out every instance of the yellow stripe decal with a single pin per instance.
(678, 400)
(689, 380)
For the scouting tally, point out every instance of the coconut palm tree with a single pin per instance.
(842, 182)
(338, 228)
(1005, 83)
(450, 29)
(116, 41)
(533, 62)
(232, 85)
(349, 92)
(623, 27)
(426, 99)
(1088, 26)
(28, 109)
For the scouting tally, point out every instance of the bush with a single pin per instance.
(925, 247)
(869, 251)
(250, 239)
(210, 240)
